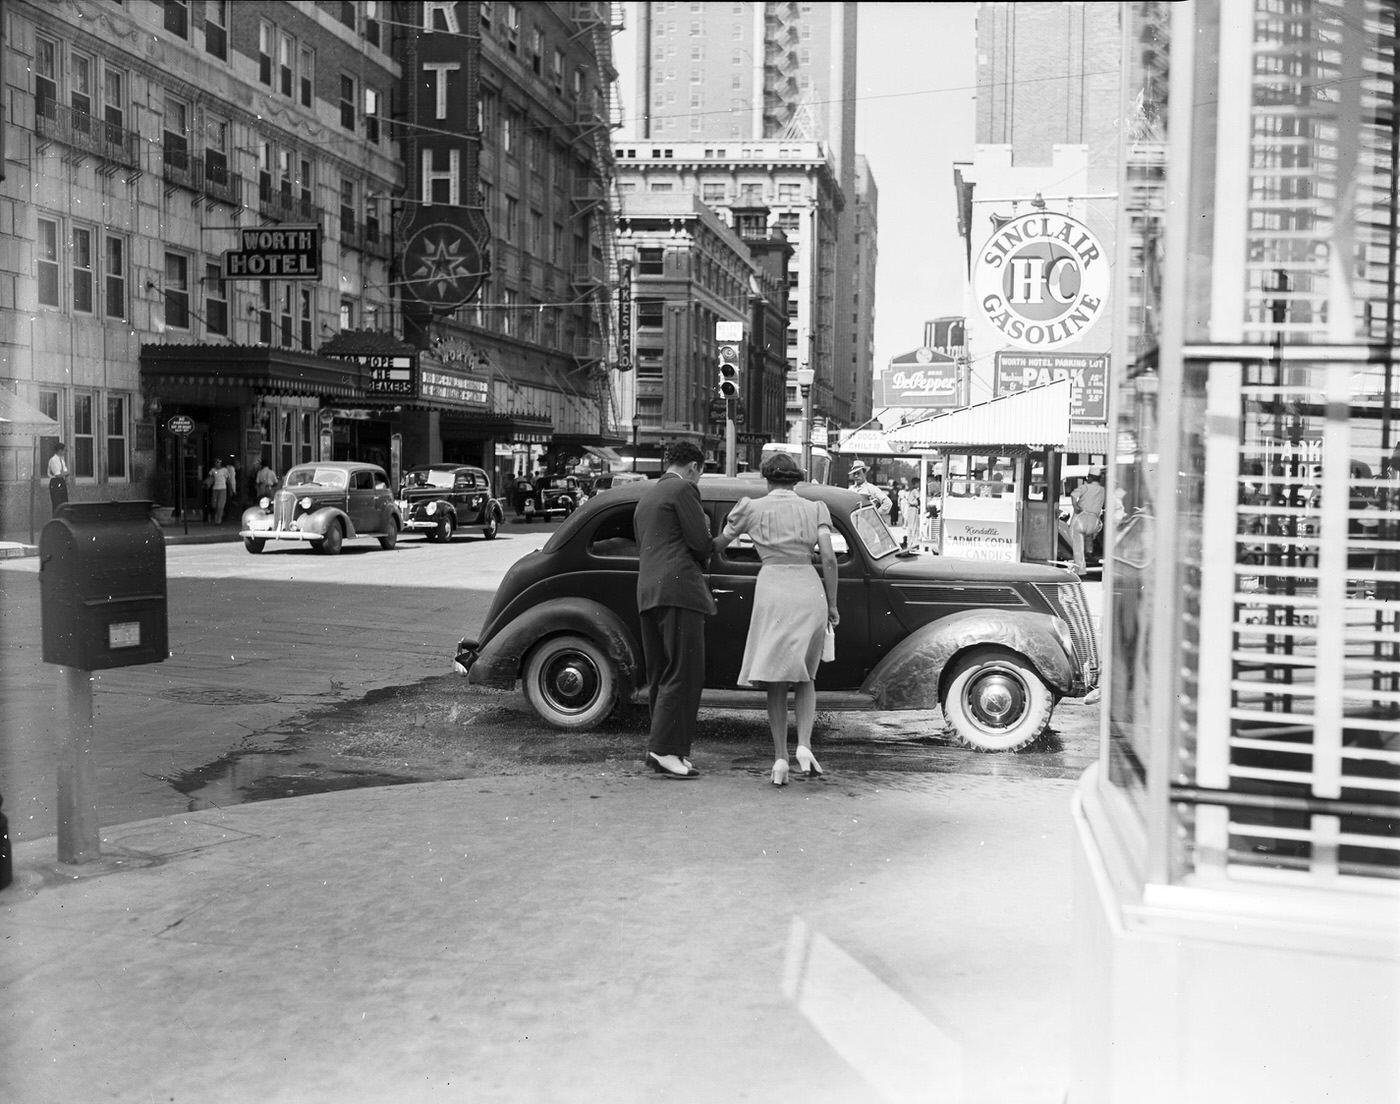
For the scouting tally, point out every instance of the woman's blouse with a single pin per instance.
(783, 526)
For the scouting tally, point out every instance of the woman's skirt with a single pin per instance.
(789, 623)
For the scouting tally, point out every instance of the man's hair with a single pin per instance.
(60, 447)
(680, 453)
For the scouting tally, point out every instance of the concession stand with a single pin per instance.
(995, 474)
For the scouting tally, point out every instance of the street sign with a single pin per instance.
(180, 425)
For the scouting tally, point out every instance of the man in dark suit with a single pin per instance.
(673, 600)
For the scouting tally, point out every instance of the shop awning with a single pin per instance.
(19, 419)
(607, 455)
(584, 441)
(868, 442)
(1035, 417)
(1084, 438)
(217, 368)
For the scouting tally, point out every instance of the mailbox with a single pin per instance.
(102, 586)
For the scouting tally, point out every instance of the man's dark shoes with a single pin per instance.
(671, 766)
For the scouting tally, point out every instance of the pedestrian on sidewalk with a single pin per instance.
(673, 600)
(265, 480)
(221, 478)
(1087, 502)
(792, 607)
(207, 499)
(58, 476)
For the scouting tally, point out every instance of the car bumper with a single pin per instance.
(422, 523)
(467, 653)
(281, 534)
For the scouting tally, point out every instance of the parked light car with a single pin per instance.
(324, 505)
(439, 500)
(995, 645)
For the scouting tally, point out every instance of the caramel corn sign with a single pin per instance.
(1042, 280)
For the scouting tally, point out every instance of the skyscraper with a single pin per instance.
(777, 71)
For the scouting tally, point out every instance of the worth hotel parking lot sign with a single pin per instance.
(275, 253)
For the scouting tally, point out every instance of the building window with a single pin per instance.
(510, 127)
(177, 291)
(536, 51)
(577, 87)
(285, 303)
(371, 220)
(485, 15)
(308, 74)
(556, 72)
(286, 51)
(651, 314)
(372, 26)
(347, 13)
(177, 17)
(48, 405)
(116, 437)
(306, 315)
(114, 278)
(264, 313)
(347, 207)
(84, 437)
(347, 314)
(508, 319)
(45, 73)
(306, 181)
(712, 193)
(266, 36)
(347, 102)
(175, 139)
(536, 240)
(650, 262)
(286, 439)
(789, 193)
(82, 269)
(513, 28)
(80, 87)
(113, 96)
(215, 300)
(308, 439)
(512, 217)
(372, 116)
(216, 28)
(47, 260)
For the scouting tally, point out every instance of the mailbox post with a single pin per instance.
(103, 600)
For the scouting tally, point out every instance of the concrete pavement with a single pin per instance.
(567, 936)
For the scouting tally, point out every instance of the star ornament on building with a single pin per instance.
(443, 265)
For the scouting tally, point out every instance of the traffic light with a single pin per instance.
(730, 339)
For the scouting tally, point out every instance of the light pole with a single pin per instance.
(636, 425)
(804, 384)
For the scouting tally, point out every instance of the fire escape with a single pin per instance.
(595, 205)
(783, 106)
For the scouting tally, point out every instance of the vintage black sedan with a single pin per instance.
(994, 645)
(323, 505)
(439, 500)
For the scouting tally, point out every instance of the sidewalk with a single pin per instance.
(566, 936)
(200, 532)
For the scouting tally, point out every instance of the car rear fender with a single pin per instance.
(501, 661)
(912, 675)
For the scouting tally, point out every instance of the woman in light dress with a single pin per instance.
(792, 605)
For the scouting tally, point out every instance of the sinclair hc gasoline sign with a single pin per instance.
(1041, 280)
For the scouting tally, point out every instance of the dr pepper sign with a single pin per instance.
(1042, 280)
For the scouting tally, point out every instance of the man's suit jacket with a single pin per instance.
(674, 541)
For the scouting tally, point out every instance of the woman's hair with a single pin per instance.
(781, 468)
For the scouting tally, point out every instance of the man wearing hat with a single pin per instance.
(868, 490)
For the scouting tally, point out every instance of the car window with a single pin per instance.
(333, 478)
(380, 482)
(614, 537)
(873, 533)
(364, 480)
(438, 478)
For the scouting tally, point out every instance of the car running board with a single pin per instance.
(840, 701)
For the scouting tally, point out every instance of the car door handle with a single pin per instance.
(720, 590)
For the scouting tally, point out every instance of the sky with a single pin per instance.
(916, 71)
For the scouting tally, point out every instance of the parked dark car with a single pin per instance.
(324, 505)
(557, 495)
(439, 500)
(994, 645)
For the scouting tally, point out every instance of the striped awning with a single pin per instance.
(1037, 416)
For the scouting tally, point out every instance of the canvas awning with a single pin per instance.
(19, 419)
(1035, 417)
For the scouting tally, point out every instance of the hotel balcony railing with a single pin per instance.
(216, 182)
(84, 131)
(366, 237)
(285, 207)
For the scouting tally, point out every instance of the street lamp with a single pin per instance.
(804, 384)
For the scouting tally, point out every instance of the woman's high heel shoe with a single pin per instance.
(780, 772)
(807, 762)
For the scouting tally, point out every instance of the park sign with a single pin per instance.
(275, 253)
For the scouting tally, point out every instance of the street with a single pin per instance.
(292, 673)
